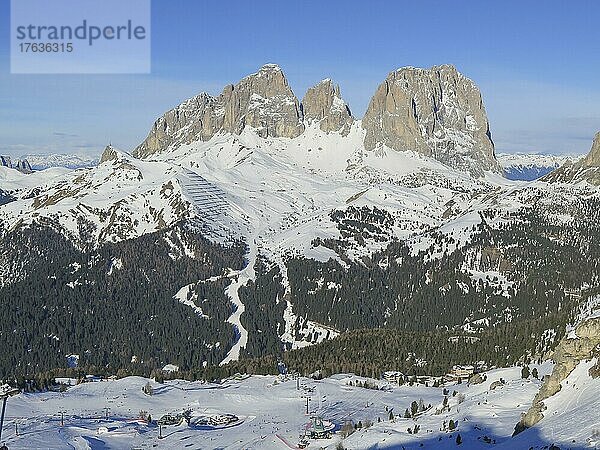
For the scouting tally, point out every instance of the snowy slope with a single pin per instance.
(120, 199)
(271, 412)
(571, 417)
(282, 190)
(276, 195)
(12, 180)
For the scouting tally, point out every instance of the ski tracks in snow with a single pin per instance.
(239, 279)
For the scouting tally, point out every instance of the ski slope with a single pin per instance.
(271, 411)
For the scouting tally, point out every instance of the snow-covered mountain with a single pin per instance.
(400, 220)
(70, 161)
(21, 165)
(531, 166)
(436, 112)
(305, 161)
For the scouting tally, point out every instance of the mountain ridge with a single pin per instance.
(585, 169)
(451, 124)
(328, 237)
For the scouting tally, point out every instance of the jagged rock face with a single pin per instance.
(587, 169)
(5, 161)
(263, 100)
(23, 166)
(568, 354)
(109, 154)
(198, 118)
(437, 112)
(323, 103)
(593, 157)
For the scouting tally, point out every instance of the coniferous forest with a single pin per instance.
(398, 309)
(113, 307)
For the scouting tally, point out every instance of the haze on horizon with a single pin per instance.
(536, 67)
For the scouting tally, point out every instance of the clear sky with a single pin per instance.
(536, 62)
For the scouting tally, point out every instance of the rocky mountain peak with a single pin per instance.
(593, 157)
(437, 112)
(22, 165)
(265, 102)
(270, 67)
(109, 154)
(586, 169)
(267, 82)
(5, 161)
(323, 103)
(262, 100)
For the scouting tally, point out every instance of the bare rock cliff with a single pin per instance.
(568, 354)
(323, 103)
(587, 169)
(437, 112)
(263, 100)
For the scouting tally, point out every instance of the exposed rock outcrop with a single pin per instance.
(263, 100)
(198, 118)
(109, 154)
(323, 103)
(568, 354)
(22, 165)
(437, 112)
(587, 169)
(477, 378)
(6, 197)
(593, 157)
(5, 161)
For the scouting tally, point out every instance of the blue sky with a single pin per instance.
(537, 64)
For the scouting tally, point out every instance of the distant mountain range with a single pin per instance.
(531, 166)
(70, 161)
(515, 166)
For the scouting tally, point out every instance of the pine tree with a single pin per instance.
(414, 408)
